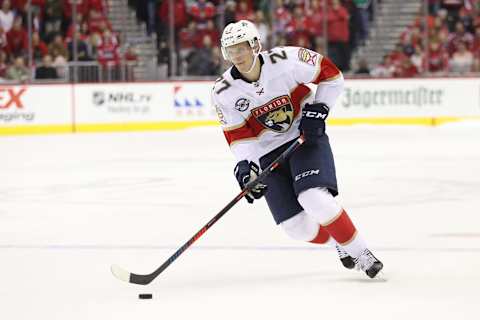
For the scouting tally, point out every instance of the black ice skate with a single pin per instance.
(368, 263)
(345, 258)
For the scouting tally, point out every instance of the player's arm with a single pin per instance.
(236, 129)
(312, 67)
(241, 138)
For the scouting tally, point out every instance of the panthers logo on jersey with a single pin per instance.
(276, 115)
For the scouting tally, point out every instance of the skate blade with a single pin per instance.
(380, 277)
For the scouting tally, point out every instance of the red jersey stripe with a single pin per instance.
(328, 71)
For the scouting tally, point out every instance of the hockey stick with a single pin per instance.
(144, 279)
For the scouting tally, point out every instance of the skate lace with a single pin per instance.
(341, 253)
(365, 260)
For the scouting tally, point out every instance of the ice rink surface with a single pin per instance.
(72, 205)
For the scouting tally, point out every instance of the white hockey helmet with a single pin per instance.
(239, 32)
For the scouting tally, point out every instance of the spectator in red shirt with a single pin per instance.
(298, 29)
(39, 48)
(108, 51)
(460, 36)
(244, 12)
(302, 41)
(97, 22)
(81, 7)
(69, 33)
(384, 69)
(202, 11)
(210, 30)
(281, 18)
(108, 55)
(188, 38)
(338, 19)
(130, 54)
(19, 5)
(338, 35)
(17, 38)
(406, 70)
(99, 5)
(437, 58)
(397, 55)
(180, 17)
(317, 16)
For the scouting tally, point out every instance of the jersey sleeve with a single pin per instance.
(236, 129)
(311, 67)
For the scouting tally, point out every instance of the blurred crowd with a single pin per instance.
(52, 35)
(449, 44)
(446, 40)
(339, 24)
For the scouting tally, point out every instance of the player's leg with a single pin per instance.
(289, 214)
(320, 204)
(302, 227)
(313, 171)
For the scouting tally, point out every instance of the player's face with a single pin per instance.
(241, 55)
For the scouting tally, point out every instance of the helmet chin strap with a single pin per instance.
(253, 64)
(255, 58)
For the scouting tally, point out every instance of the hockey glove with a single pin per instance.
(312, 124)
(246, 172)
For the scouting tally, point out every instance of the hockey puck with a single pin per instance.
(145, 296)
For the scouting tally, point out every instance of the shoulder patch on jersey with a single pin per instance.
(242, 104)
(308, 56)
(221, 116)
(276, 115)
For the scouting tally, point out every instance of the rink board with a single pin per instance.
(31, 109)
(27, 109)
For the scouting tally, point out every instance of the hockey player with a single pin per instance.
(263, 105)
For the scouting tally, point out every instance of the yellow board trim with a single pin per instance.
(179, 125)
(392, 121)
(36, 129)
(426, 121)
(144, 126)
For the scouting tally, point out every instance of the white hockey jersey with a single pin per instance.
(258, 117)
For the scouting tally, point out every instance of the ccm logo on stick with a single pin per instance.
(306, 174)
